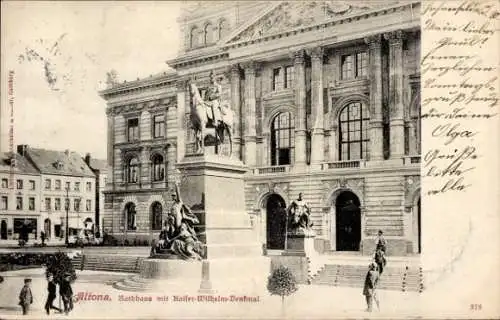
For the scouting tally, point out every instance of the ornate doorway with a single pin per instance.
(3, 230)
(347, 222)
(275, 222)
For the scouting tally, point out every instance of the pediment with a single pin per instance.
(290, 15)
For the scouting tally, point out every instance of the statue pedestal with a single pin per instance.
(300, 245)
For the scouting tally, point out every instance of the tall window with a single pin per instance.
(31, 204)
(282, 139)
(19, 203)
(58, 184)
(133, 129)
(208, 34)
(277, 79)
(48, 205)
(158, 168)
(193, 37)
(5, 203)
(132, 170)
(223, 28)
(47, 184)
(66, 204)
(354, 65)
(354, 119)
(156, 210)
(32, 184)
(76, 204)
(5, 183)
(159, 126)
(89, 186)
(19, 184)
(130, 216)
(289, 77)
(68, 185)
(57, 204)
(88, 205)
(77, 186)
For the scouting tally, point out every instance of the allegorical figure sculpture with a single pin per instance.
(299, 216)
(179, 237)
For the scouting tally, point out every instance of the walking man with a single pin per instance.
(66, 293)
(381, 243)
(369, 289)
(26, 296)
(51, 288)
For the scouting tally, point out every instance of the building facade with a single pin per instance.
(327, 104)
(67, 191)
(19, 197)
(100, 170)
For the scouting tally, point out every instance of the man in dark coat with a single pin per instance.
(26, 296)
(381, 243)
(66, 294)
(51, 289)
(369, 289)
(380, 260)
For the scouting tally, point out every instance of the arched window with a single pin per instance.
(282, 139)
(156, 212)
(193, 37)
(353, 139)
(133, 170)
(158, 168)
(130, 216)
(223, 28)
(208, 33)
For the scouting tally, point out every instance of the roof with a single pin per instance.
(98, 164)
(59, 162)
(22, 165)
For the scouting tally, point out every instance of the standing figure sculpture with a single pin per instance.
(299, 213)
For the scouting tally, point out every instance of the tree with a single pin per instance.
(59, 265)
(282, 282)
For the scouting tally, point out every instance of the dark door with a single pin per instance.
(275, 222)
(348, 222)
(3, 230)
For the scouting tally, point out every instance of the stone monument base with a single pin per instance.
(300, 245)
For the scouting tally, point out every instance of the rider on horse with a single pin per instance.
(213, 101)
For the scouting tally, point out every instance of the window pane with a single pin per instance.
(355, 151)
(347, 64)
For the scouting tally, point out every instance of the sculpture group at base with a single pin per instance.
(178, 238)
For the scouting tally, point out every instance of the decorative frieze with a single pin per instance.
(335, 186)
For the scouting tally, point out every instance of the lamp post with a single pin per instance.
(66, 204)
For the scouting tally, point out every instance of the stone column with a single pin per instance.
(300, 103)
(250, 132)
(181, 114)
(333, 144)
(396, 93)
(318, 134)
(110, 144)
(236, 105)
(376, 123)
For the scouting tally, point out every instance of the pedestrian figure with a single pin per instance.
(381, 243)
(51, 289)
(26, 296)
(42, 237)
(66, 293)
(369, 289)
(380, 260)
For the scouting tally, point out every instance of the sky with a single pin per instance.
(60, 53)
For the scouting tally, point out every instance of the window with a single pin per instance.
(277, 79)
(133, 129)
(58, 184)
(159, 126)
(282, 139)
(32, 184)
(156, 211)
(19, 203)
(76, 205)
(132, 170)
(31, 204)
(354, 137)
(5, 203)
(19, 184)
(57, 204)
(223, 29)
(47, 184)
(193, 37)
(89, 186)
(354, 65)
(158, 168)
(208, 34)
(77, 186)
(130, 216)
(289, 77)
(48, 204)
(5, 183)
(88, 205)
(66, 204)
(68, 185)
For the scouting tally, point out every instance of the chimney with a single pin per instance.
(87, 159)
(21, 149)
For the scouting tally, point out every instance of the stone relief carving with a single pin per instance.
(149, 105)
(356, 185)
(294, 14)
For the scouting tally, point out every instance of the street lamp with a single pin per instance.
(66, 204)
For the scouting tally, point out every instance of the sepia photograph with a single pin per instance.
(241, 159)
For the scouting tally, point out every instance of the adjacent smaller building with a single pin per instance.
(99, 168)
(19, 197)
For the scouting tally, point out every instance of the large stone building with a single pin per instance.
(327, 98)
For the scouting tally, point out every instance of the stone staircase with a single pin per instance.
(400, 278)
(113, 263)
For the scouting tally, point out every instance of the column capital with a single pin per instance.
(181, 84)
(235, 70)
(251, 67)
(374, 41)
(299, 56)
(395, 37)
(316, 53)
